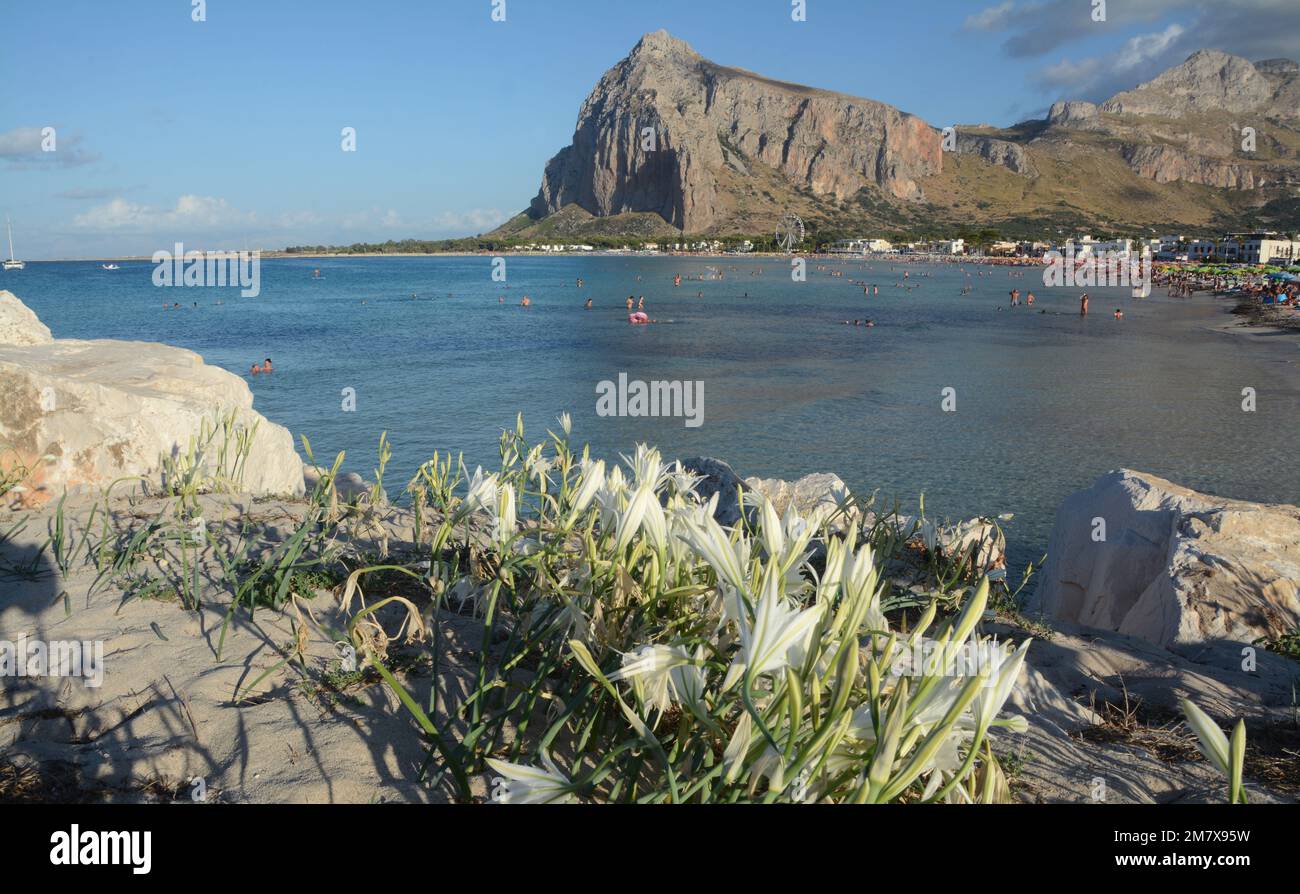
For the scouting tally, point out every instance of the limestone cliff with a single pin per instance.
(707, 122)
(670, 142)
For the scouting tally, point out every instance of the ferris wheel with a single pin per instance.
(789, 232)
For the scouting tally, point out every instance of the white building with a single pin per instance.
(1258, 248)
(859, 246)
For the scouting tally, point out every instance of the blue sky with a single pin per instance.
(226, 132)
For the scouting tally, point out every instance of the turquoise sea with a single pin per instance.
(1045, 402)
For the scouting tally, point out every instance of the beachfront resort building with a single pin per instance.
(1258, 248)
(1246, 248)
(1115, 248)
(860, 246)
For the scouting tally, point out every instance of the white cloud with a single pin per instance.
(1170, 31)
(1139, 50)
(994, 18)
(190, 211)
(24, 148)
(1102, 76)
(472, 222)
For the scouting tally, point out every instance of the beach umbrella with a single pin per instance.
(1284, 277)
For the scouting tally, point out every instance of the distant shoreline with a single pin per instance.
(279, 255)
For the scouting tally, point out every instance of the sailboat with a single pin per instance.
(13, 263)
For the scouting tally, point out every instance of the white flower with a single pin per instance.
(504, 519)
(934, 536)
(593, 479)
(643, 512)
(858, 579)
(1209, 738)
(662, 676)
(529, 785)
(729, 560)
(988, 704)
(537, 466)
(683, 481)
(780, 634)
(464, 591)
(612, 497)
(481, 494)
(647, 465)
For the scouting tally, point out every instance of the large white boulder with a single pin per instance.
(814, 496)
(80, 415)
(1145, 557)
(19, 325)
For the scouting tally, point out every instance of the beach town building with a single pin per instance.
(1115, 247)
(1246, 248)
(859, 246)
(951, 247)
(1258, 248)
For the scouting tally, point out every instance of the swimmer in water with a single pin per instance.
(527, 302)
(630, 302)
(1083, 305)
(1119, 314)
(588, 304)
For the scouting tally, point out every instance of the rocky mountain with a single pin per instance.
(670, 142)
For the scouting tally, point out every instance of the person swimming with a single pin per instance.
(264, 367)
(588, 304)
(527, 302)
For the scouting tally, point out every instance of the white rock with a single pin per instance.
(19, 325)
(814, 496)
(82, 414)
(1176, 566)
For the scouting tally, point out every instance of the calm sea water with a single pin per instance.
(1045, 402)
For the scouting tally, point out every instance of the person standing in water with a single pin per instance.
(588, 304)
(1083, 305)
